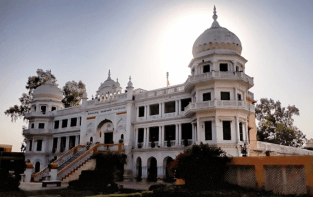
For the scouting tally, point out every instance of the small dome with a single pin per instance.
(48, 90)
(216, 38)
(130, 83)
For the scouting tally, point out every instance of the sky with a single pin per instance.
(83, 40)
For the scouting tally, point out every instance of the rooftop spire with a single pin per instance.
(109, 75)
(215, 23)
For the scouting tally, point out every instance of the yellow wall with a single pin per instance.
(7, 148)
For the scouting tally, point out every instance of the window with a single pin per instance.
(41, 125)
(226, 130)
(184, 103)
(64, 123)
(39, 145)
(208, 130)
(80, 121)
(240, 131)
(55, 145)
(53, 108)
(169, 132)
(63, 144)
(239, 97)
(206, 68)
(141, 111)
(169, 107)
(73, 122)
(56, 124)
(237, 69)
(207, 96)
(140, 135)
(154, 109)
(35, 108)
(72, 142)
(225, 96)
(154, 134)
(223, 67)
(32, 126)
(186, 131)
(43, 109)
(30, 145)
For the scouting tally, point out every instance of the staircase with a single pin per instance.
(75, 160)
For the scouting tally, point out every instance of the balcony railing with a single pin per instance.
(188, 142)
(160, 92)
(169, 143)
(156, 144)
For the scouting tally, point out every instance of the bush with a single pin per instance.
(156, 186)
(202, 166)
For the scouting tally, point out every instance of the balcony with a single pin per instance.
(218, 75)
(194, 107)
(36, 131)
(38, 114)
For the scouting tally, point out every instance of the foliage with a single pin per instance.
(276, 123)
(73, 93)
(156, 186)
(201, 166)
(18, 111)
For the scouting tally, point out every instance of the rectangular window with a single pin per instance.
(53, 108)
(208, 130)
(186, 131)
(73, 122)
(63, 144)
(154, 134)
(43, 109)
(184, 103)
(169, 132)
(39, 145)
(239, 97)
(56, 124)
(240, 131)
(207, 96)
(140, 135)
(223, 67)
(72, 142)
(169, 107)
(237, 69)
(30, 145)
(55, 145)
(141, 111)
(225, 96)
(206, 68)
(32, 125)
(41, 125)
(154, 109)
(64, 123)
(80, 121)
(226, 130)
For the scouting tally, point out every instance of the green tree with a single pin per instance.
(19, 111)
(73, 93)
(276, 123)
(201, 166)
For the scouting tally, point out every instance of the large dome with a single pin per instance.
(216, 38)
(48, 90)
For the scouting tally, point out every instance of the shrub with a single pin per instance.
(156, 186)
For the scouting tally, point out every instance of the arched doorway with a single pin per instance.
(106, 127)
(169, 176)
(37, 166)
(152, 169)
(138, 169)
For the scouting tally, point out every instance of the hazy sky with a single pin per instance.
(82, 40)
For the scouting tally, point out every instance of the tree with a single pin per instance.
(201, 166)
(19, 111)
(276, 123)
(73, 93)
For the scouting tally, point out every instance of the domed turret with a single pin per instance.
(216, 38)
(48, 91)
(109, 86)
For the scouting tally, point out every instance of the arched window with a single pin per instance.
(37, 166)
(122, 136)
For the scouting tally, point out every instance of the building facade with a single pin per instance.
(212, 106)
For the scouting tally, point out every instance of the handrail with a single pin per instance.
(46, 168)
(85, 153)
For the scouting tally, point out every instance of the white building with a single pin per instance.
(212, 106)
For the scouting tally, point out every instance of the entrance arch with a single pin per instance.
(169, 176)
(152, 169)
(138, 169)
(106, 127)
(37, 166)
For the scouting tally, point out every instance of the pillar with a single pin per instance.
(136, 138)
(216, 139)
(162, 136)
(237, 129)
(144, 172)
(148, 136)
(58, 145)
(180, 135)
(67, 143)
(160, 110)
(137, 113)
(146, 112)
(193, 132)
(76, 140)
(199, 139)
(176, 134)
(144, 137)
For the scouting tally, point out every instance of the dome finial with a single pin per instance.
(109, 76)
(215, 23)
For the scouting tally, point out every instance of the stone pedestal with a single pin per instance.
(128, 172)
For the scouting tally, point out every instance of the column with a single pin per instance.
(176, 135)
(160, 172)
(136, 138)
(162, 138)
(160, 110)
(67, 143)
(144, 137)
(198, 131)
(237, 129)
(137, 113)
(76, 140)
(193, 132)
(246, 137)
(148, 136)
(179, 106)
(180, 135)
(58, 145)
(146, 112)
(144, 172)
(176, 108)
(236, 99)
(216, 130)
